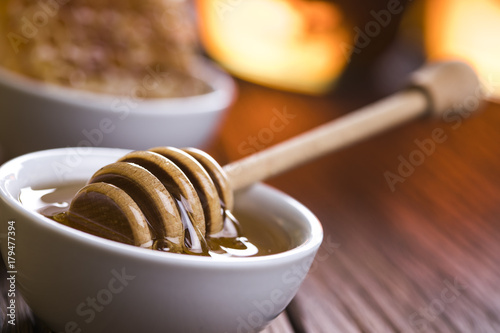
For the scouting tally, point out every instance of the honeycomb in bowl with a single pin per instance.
(103, 46)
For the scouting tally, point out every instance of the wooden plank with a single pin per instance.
(280, 325)
(422, 258)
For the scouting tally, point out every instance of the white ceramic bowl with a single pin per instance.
(73, 280)
(38, 116)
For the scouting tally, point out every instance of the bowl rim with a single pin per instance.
(309, 245)
(220, 97)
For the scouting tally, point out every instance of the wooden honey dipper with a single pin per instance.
(154, 194)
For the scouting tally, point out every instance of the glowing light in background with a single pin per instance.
(469, 30)
(292, 44)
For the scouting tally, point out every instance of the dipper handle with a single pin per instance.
(433, 89)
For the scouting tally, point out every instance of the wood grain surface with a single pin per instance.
(411, 218)
(415, 254)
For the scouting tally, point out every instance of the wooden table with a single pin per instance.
(418, 253)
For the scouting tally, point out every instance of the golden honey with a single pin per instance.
(242, 236)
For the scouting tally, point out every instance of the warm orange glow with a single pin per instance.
(469, 30)
(290, 44)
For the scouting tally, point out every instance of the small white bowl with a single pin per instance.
(38, 116)
(73, 280)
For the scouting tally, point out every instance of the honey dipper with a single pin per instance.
(151, 194)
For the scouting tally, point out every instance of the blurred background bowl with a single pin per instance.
(38, 115)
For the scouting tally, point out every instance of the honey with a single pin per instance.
(242, 235)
